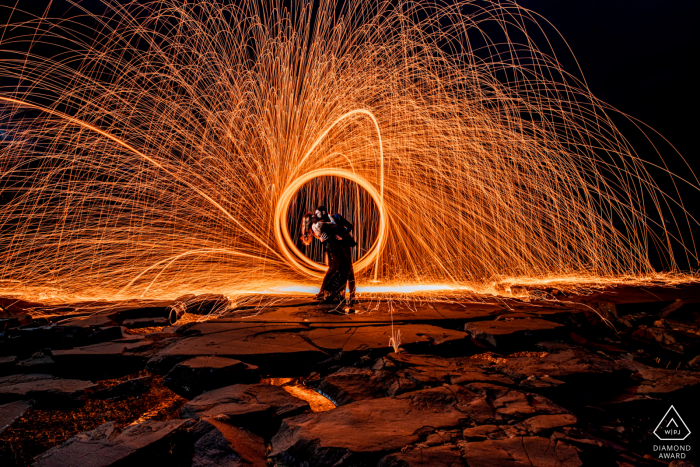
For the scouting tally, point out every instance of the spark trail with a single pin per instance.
(158, 152)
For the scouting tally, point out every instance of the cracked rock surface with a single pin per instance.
(560, 379)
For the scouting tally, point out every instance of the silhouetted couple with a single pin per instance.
(335, 234)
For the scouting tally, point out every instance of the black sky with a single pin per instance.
(639, 56)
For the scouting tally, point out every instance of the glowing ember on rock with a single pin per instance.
(293, 386)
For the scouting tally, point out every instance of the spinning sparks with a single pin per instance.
(158, 152)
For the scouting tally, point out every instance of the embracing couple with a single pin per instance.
(335, 234)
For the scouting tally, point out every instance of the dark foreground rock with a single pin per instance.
(105, 445)
(353, 384)
(129, 388)
(13, 321)
(437, 456)
(653, 390)
(521, 452)
(412, 337)
(259, 407)
(27, 340)
(506, 334)
(223, 445)
(7, 365)
(362, 432)
(558, 370)
(145, 322)
(285, 348)
(11, 412)
(540, 423)
(656, 382)
(489, 382)
(46, 390)
(112, 359)
(196, 375)
(37, 362)
(280, 348)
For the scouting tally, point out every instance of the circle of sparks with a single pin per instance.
(300, 261)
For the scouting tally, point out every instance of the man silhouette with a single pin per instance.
(348, 242)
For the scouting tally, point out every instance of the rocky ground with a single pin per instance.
(558, 380)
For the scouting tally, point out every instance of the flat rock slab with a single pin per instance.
(276, 349)
(353, 384)
(363, 338)
(105, 445)
(196, 375)
(370, 312)
(106, 349)
(44, 389)
(521, 452)
(106, 360)
(436, 456)
(223, 445)
(11, 412)
(94, 321)
(259, 407)
(363, 432)
(26, 341)
(542, 423)
(281, 349)
(512, 333)
(145, 322)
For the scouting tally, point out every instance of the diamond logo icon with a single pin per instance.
(672, 427)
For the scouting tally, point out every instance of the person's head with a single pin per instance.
(307, 221)
(321, 212)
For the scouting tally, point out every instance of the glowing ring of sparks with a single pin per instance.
(284, 239)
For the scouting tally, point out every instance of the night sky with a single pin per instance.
(640, 56)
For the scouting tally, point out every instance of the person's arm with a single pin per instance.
(344, 223)
(322, 236)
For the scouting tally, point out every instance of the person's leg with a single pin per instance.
(335, 276)
(351, 276)
(325, 285)
(324, 292)
(340, 264)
